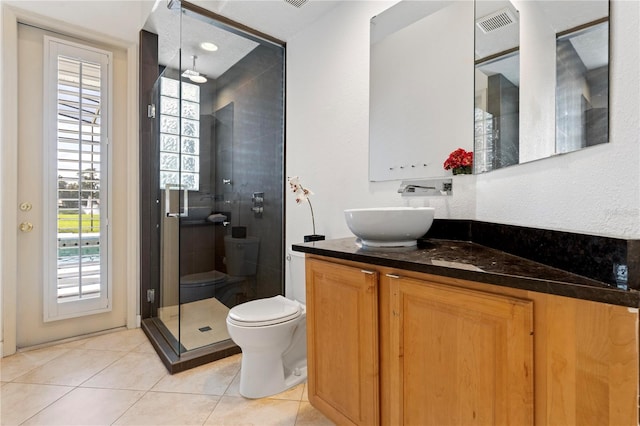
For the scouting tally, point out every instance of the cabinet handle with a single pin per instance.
(393, 276)
(364, 271)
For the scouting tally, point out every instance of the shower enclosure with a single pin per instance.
(212, 173)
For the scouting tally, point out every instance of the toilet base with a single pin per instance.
(273, 379)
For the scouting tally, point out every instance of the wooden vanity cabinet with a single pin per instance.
(342, 342)
(457, 356)
(396, 347)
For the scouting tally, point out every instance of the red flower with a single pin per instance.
(459, 158)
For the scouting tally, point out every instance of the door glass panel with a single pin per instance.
(77, 84)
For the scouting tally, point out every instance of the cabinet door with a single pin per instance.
(458, 356)
(342, 337)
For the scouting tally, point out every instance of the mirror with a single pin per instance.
(420, 106)
(497, 82)
(542, 92)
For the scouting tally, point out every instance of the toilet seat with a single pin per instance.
(200, 278)
(263, 312)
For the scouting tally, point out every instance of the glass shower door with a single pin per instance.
(173, 203)
(219, 121)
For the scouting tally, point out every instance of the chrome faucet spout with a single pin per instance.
(412, 188)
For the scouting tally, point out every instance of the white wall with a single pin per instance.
(595, 191)
(103, 17)
(328, 127)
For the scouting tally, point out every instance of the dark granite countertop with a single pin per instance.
(474, 262)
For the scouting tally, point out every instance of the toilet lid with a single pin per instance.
(258, 313)
(209, 277)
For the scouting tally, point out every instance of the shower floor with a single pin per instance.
(203, 322)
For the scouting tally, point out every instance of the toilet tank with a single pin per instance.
(241, 255)
(296, 289)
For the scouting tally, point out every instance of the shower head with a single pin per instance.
(194, 75)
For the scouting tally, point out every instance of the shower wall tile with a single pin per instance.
(255, 87)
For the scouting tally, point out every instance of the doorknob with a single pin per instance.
(26, 226)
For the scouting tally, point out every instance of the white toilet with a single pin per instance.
(272, 334)
(241, 257)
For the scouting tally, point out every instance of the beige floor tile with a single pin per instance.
(22, 400)
(145, 347)
(71, 369)
(71, 344)
(237, 411)
(85, 406)
(135, 371)
(18, 364)
(122, 340)
(293, 394)
(309, 416)
(209, 379)
(305, 393)
(160, 408)
(234, 387)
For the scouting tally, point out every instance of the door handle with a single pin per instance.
(167, 200)
(26, 226)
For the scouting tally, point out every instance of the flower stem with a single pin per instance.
(313, 220)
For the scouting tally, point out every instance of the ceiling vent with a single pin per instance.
(496, 20)
(296, 3)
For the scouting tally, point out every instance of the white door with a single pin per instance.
(36, 230)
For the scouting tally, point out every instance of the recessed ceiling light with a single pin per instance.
(208, 46)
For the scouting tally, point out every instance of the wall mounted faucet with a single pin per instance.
(413, 188)
(427, 187)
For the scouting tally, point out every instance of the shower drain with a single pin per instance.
(203, 329)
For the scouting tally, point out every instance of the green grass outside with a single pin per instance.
(70, 223)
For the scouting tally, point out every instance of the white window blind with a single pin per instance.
(76, 146)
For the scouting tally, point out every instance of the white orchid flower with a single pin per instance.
(302, 195)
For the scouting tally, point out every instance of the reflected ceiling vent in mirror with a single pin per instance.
(496, 20)
(296, 3)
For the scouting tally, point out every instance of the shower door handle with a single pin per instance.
(167, 200)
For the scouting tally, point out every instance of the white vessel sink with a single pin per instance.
(389, 226)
